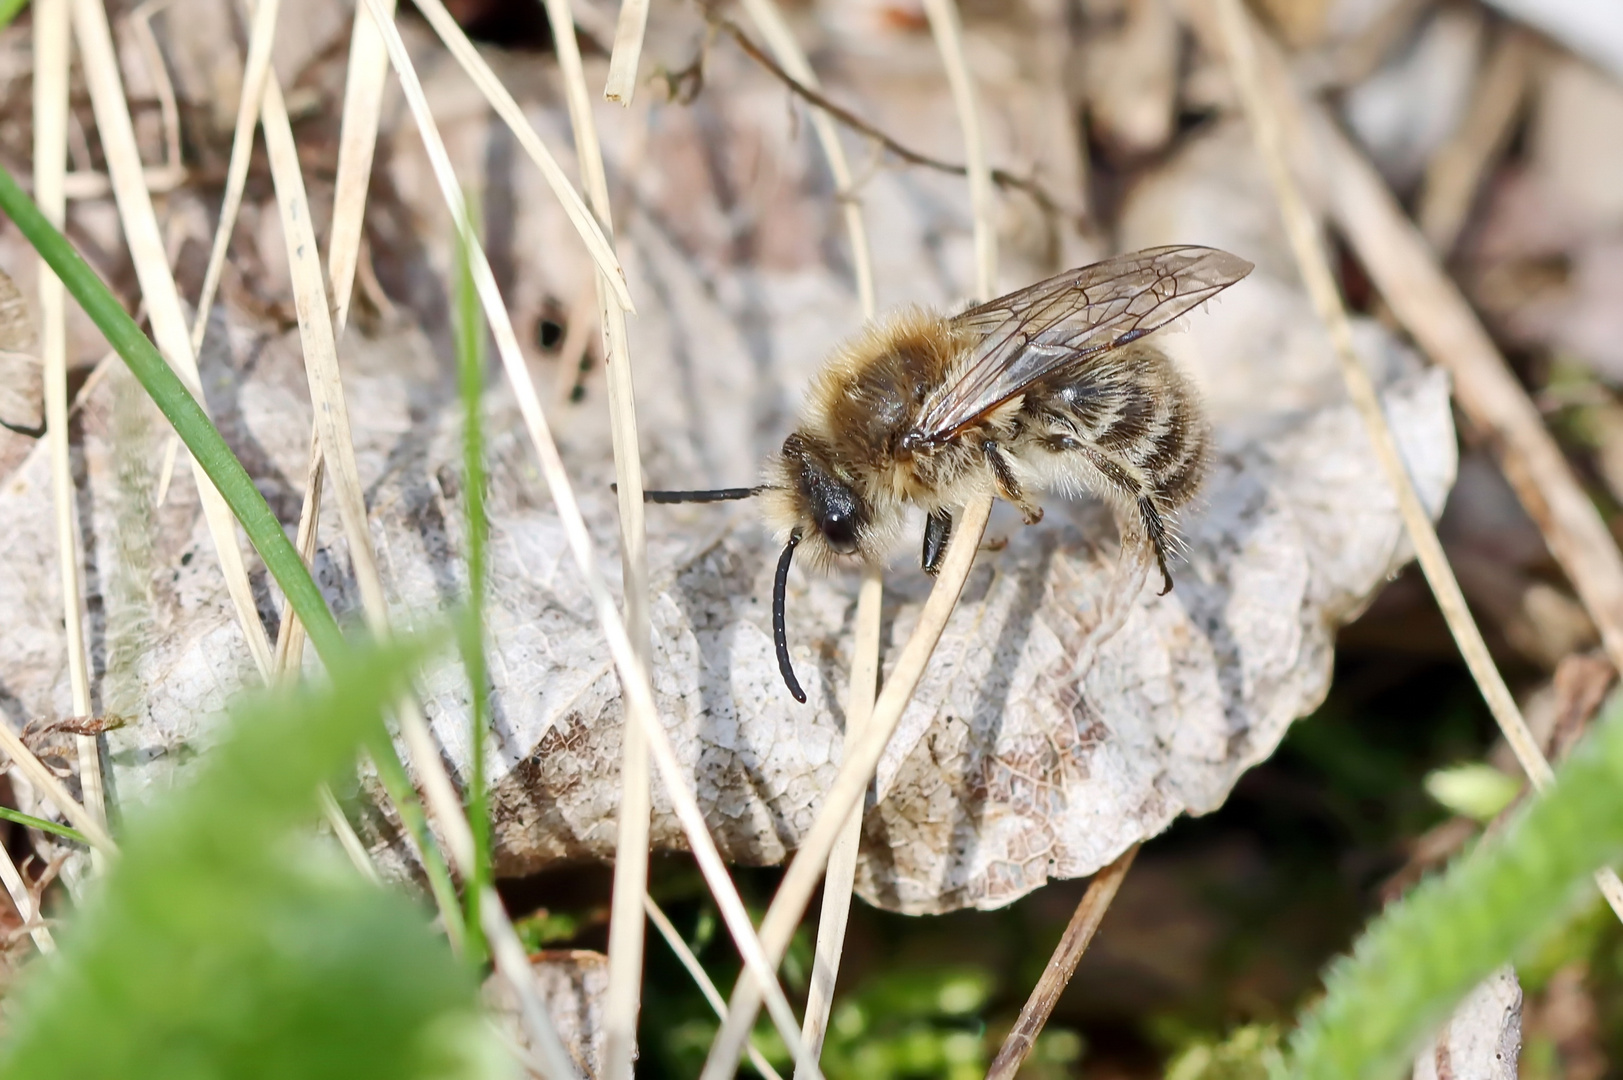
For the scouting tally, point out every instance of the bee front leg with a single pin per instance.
(937, 531)
(1008, 488)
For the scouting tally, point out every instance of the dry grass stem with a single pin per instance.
(261, 37)
(158, 291)
(626, 918)
(837, 883)
(169, 176)
(320, 349)
(949, 36)
(633, 674)
(140, 24)
(51, 54)
(1431, 307)
(1313, 261)
(51, 51)
(17, 889)
(364, 82)
(290, 650)
(862, 754)
(850, 784)
(51, 789)
(842, 861)
(1061, 966)
(591, 232)
(701, 978)
(797, 71)
(514, 964)
(290, 634)
(1456, 171)
(627, 51)
(159, 179)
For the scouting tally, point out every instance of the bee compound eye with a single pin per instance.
(839, 528)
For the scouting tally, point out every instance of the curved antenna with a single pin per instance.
(780, 636)
(712, 495)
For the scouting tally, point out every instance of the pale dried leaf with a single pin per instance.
(1034, 748)
(572, 984)
(22, 374)
(1483, 1039)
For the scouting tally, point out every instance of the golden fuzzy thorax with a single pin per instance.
(1126, 426)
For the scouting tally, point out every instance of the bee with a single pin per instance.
(1048, 389)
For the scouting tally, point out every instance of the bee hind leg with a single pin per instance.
(937, 531)
(1008, 488)
(1157, 531)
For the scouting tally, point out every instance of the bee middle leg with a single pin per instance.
(1154, 527)
(1008, 488)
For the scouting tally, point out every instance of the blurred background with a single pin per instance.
(1500, 128)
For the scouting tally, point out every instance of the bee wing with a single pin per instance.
(1044, 328)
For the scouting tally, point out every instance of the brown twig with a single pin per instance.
(1001, 177)
(1061, 966)
(1458, 168)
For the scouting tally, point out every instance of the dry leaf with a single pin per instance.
(572, 984)
(1483, 1039)
(22, 375)
(1038, 745)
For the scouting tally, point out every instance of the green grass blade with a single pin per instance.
(1425, 952)
(221, 466)
(193, 426)
(226, 942)
(32, 822)
(9, 10)
(470, 351)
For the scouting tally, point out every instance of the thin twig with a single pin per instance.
(1061, 966)
(626, 920)
(797, 73)
(701, 978)
(1313, 262)
(1001, 177)
(1455, 172)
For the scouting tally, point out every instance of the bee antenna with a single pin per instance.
(780, 636)
(705, 496)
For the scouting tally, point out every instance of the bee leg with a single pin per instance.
(937, 530)
(1157, 530)
(1007, 486)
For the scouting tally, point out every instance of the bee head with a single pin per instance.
(808, 497)
(816, 511)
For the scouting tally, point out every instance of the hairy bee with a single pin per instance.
(1050, 388)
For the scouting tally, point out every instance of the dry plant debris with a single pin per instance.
(1037, 746)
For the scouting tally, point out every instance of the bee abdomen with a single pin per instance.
(1137, 421)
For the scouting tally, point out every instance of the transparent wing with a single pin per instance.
(1066, 320)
